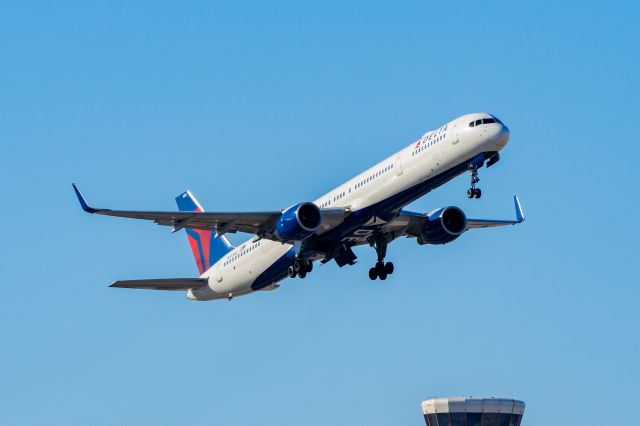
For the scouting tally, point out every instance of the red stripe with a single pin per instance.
(196, 253)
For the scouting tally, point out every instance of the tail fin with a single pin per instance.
(207, 248)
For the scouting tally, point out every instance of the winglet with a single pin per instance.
(519, 213)
(83, 202)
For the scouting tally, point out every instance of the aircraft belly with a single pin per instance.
(274, 267)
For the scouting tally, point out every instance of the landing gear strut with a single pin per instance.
(300, 268)
(474, 192)
(380, 270)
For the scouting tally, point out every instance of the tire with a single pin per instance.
(309, 267)
(302, 274)
(297, 266)
(478, 193)
(373, 274)
(388, 268)
(379, 268)
(291, 272)
(470, 193)
(383, 275)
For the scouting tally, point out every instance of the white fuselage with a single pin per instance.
(435, 153)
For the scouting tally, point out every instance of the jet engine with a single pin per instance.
(443, 226)
(298, 222)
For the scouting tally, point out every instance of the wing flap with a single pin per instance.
(170, 284)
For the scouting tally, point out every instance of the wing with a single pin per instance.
(411, 224)
(258, 223)
(489, 223)
(405, 224)
(162, 284)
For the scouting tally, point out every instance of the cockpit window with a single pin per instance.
(484, 121)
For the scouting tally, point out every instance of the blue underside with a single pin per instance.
(386, 209)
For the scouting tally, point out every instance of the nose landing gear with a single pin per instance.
(381, 269)
(474, 192)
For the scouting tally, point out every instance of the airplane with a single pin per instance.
(367, 209)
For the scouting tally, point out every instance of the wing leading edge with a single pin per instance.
(411, 224)
(250, 222)
(259, 223)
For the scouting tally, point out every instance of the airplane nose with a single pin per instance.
(505, 132)
(501, 139)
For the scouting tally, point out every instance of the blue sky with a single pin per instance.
(258, 105)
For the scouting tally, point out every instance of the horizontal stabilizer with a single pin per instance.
(162, 284)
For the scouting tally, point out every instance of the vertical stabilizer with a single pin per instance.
(206, 247)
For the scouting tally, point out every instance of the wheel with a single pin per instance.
(309, 266)
(383, 275)
(470, 193)
(302, 274)
(297, 266)
(291, 272)
(478, 192)
(388, 268)
(379, 267)
(373, 274)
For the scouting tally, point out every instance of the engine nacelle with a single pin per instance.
(443, 226)
(298, 222)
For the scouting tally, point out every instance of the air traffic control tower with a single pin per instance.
(464, 411)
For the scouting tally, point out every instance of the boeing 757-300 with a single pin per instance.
(367, 209)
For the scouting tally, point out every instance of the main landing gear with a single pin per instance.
(381, 269)
(300, 268)
(474, 192)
